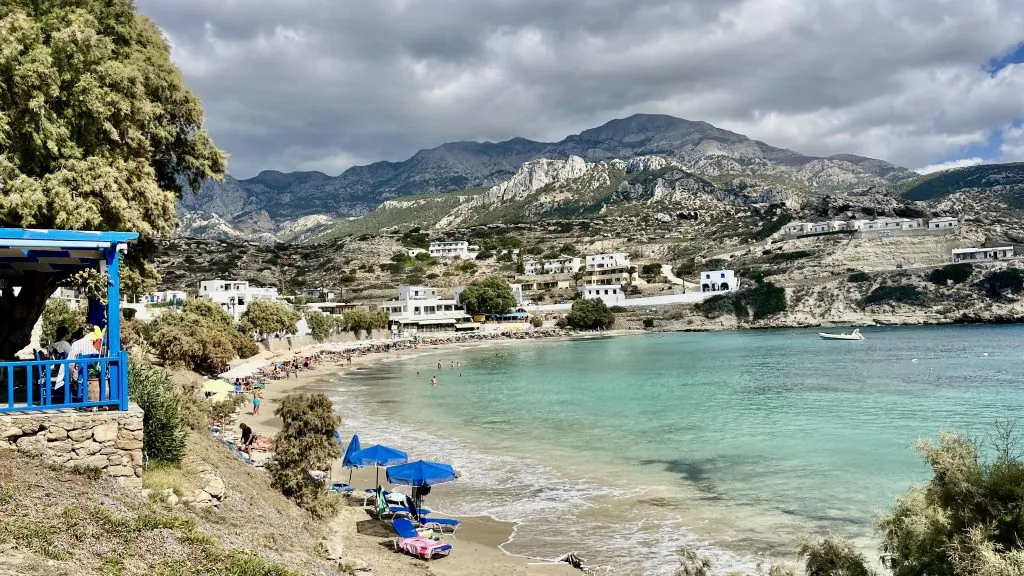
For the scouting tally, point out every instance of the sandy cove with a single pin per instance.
(477, 549)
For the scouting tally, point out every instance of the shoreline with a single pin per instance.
(479, 545)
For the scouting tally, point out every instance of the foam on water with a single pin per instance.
(553, 514)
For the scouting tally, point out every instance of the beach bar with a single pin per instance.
(53, 384)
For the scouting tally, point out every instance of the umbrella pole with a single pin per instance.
(349, 476)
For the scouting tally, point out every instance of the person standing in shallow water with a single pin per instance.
(433, 382)
(439, 365)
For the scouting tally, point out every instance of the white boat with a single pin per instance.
(855, 335)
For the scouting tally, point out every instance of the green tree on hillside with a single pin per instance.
(97, 132)
(320, 325)
(263, 317)
(488, 296)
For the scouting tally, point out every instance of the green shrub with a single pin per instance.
(305, 442)
(59, 313)
(790, 256)
(590, 314)
(716, 306)
(968, 519)
(651, 270)
(536, 321)
(466, 267)
(859, 277)
(648, 322)
(562, 323)
(484, 254)
(163, 418)
(900, 294)
(618, 309)
(833, 556)
(1002, 283)
(771, 227)
(764, 300)
(402, 258)
(951, 273)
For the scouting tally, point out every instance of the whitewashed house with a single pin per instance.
(456, 249)
(982, 254)
(234, 296)
(612, 268)
(420, 309)
(610, 294)
(68, 295)
(556, 266)
(169, 296)
(718, 281)
(943, 223)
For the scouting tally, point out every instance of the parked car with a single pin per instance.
(560, 302)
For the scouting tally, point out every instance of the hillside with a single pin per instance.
(998, 184)
(273, 204)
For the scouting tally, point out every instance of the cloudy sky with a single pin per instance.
(326, 84)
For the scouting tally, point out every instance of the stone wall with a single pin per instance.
(293, 342)
(110, 441)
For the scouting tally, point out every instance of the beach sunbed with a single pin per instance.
(342, 488)
(442, 525)
(411, 542)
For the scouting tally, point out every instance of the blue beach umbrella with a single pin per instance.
(346, 460)
(419, 474)
(379, 455)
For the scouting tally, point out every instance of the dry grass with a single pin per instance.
(55, 522)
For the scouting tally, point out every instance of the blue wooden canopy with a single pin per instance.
(57, 251)
(62, 253)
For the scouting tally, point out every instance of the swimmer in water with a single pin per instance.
(433, 382)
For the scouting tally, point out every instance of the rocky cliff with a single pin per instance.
(265, 203)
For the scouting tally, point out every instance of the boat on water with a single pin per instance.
(855, 335)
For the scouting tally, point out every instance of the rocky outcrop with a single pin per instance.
(110, 442)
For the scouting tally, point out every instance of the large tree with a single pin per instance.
(488, 296)
(97, 132)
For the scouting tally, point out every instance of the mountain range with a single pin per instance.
(275, 205)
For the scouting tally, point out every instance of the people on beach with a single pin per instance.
(247, 439)
(433, 382)
(257, 397)
(439, 365)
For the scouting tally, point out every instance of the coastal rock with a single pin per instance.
(355, 564)
(333, 549)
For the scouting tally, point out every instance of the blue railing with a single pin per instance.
(28, 385)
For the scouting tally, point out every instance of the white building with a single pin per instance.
(944, 223)
(975, 254)
(419, 309)
(556, 266)
(458, 249)
(610, 294)
(234, 295)
(169, 296)
(414, 252)
(66, 294)
(321, 293)
(613, 268)
(718, 281)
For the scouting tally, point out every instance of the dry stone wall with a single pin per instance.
(109, 441)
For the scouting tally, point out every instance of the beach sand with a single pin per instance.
(477, 549)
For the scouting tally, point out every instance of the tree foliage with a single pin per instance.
(491, 295)
(263, 317)
(968, 519)
(305, 442)
(951, 274)
(1003, 283)
(163, 414)
(833, 556)
(651, 270)
(199, 337)
(590, 314)
(59, 313)
(320, 325)
(762, 301)
(97, 132)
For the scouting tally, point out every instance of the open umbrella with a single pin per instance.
(346, 460)
(379, 455)
(419, 474)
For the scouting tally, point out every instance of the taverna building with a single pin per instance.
(234, 296)
(421, 309)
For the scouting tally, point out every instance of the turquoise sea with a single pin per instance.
(627, 449)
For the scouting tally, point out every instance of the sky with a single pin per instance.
(327, 84)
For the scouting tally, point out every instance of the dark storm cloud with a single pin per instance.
(318, 84)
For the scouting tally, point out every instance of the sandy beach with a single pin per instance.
(477, 544)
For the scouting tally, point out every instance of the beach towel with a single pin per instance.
(424, 548)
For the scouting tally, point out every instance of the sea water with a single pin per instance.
(628, 449)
